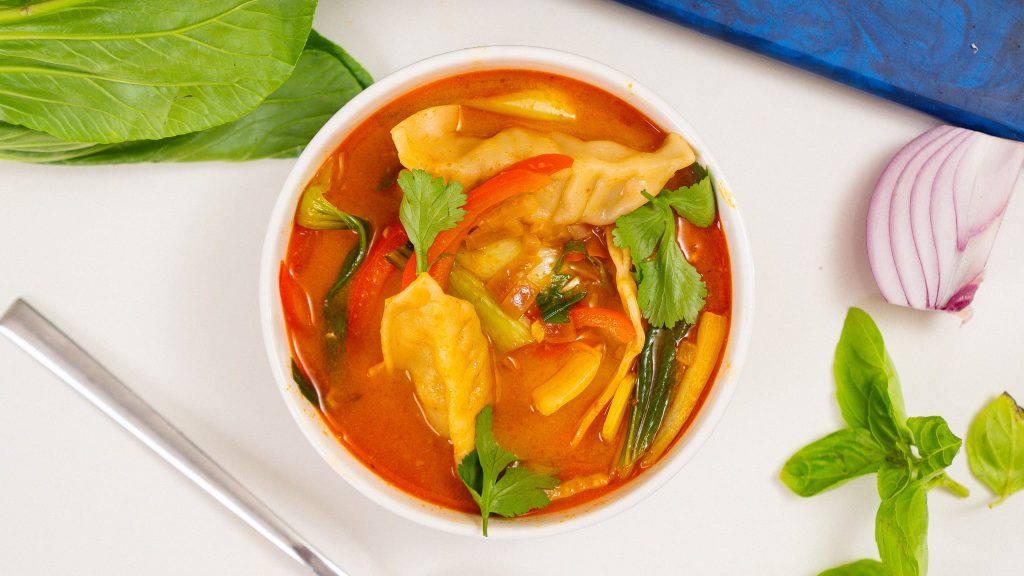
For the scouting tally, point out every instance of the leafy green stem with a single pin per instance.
(955, 488)
(29, 11)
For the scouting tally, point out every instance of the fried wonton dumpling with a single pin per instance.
(437, 339)
(605, 181)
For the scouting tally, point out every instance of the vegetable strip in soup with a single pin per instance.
(508, 292)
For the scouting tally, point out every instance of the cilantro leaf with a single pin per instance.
(429, 207)
(554, 303)
(669, 288)
(496, 481)
(641, 229)
(696, 202)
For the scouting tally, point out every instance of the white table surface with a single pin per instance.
(154, 268)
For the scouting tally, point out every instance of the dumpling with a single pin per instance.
(605, 181)
(437, 339)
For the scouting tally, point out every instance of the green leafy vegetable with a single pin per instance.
(936, 444)
(858, 568)
(995, 447)
(555, 301)
(901, 531)
(120, 70)
(429, 207)
(316, 212)
(305, 386)
(497, 482)
(696, 203)
(656, 375)
(909, 455)
(280, 127)
(893, 478)
(867, 386)
(669, 288)
(832, 460)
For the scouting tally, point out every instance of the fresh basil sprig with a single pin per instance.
(909, 455)
(995, 447)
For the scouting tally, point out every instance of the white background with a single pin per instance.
(154, 269)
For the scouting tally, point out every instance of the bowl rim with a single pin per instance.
(326, 141)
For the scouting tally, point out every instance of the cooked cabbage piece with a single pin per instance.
(437, 339)
(605, 181)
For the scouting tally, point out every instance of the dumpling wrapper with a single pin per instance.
(437, 339)
(605, 180)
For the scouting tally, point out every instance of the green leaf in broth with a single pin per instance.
(280, 127)
(121, 70)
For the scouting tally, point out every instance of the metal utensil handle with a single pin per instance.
(34, 334)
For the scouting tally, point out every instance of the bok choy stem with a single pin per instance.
(505, 332)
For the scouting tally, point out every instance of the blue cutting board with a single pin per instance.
(959, 60)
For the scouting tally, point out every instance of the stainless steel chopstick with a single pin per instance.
(34, 334)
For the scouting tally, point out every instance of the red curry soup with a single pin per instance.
(507, 292)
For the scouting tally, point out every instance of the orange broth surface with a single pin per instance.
(376, 415)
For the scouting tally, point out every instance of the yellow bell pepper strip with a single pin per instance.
(626, 286)
(569, 381)
(712, 331)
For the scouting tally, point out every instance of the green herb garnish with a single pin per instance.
(669, 288)
(995, 446)
(696, 202)
(554, 302)
(429, 207)
(909, 455)
(497, 481)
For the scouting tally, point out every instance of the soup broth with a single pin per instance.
(377, 415)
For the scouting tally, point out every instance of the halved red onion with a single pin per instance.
(935, 213)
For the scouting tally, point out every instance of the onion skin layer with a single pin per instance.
(934, 215)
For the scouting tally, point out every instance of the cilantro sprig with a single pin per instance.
(669, 288)
(496, 480)
(429, 207)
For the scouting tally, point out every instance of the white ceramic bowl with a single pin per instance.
(338, 128)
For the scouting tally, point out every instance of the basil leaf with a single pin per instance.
(901, 531)
(867, 386)
(893, 478)
(832, 460)
(995, 447)
(280, 127)
(858, 568)
(936, 444)
(126, 70)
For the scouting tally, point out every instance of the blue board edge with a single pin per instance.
(942, 110)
